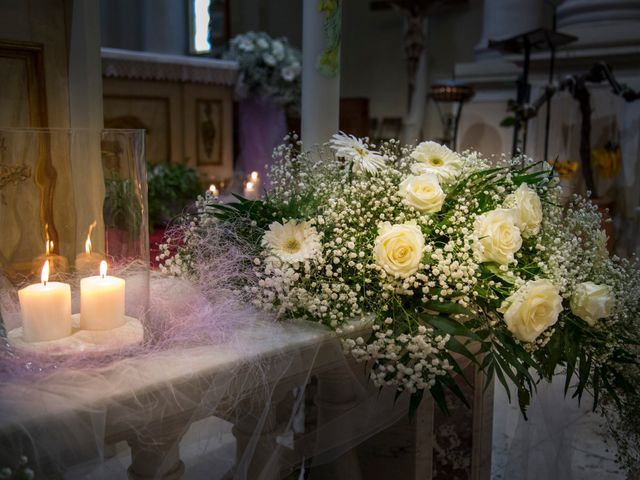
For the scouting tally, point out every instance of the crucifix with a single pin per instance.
(415, 38)
(415, 43)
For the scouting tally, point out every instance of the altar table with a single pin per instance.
(150, 402)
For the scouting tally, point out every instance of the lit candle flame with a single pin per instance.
(44, 276)
(255, 176)
(103, 268)
(213, 189)
(87, 243)
(250, 186)
(48, 244)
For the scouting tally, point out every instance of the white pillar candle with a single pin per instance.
(46, 309)
(101, 301)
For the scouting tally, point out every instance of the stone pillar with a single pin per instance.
(573, 12)
(320, 92)
(507, 18)
(257, 452)
(155, 454)
(335, 396)
(600, 22)
(412, 124)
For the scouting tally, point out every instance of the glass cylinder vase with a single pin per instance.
(73, 199)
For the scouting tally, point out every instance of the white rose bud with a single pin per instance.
(398, 248)
(532, 309)
(592, 302)
(497, 237)
(527, 207)
(423, 192)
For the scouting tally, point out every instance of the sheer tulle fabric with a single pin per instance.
(201, 359)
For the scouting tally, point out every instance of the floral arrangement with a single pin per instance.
(21, 471)
(270, 69)
(446, 255)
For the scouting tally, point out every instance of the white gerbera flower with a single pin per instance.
(292, 241)
(437, 159)
(354, 149)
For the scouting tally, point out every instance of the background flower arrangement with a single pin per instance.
(270, 69)
(448, 256)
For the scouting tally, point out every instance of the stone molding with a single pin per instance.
(127, 64)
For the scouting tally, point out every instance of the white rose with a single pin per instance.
(528, 209)
(497, 237)
(437, 159)
(262, 43)
(532, 309)
(423, 192)
(398, 248)
(592, 302)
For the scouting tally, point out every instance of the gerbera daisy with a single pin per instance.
(437, 159)
(292, 241)
(356, 150)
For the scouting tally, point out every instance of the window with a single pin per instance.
(209, 25)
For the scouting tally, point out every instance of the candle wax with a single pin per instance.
(101, 302)
(46, 311)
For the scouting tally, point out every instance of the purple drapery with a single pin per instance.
(262, 128)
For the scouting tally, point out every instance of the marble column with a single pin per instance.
(600, 22)
(320, 92)
(573, 12)
(507, 18)
(413, 121)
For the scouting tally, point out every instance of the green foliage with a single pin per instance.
(122, 208)
(171, 189)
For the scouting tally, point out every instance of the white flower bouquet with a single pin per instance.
(270, 69)
(451, 257)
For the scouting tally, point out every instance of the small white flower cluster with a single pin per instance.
(408, 362)
(270, 69)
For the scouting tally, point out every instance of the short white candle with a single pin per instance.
(101, 301)
(46, 309)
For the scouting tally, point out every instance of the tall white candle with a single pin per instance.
(101, 301)
(46, 309)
